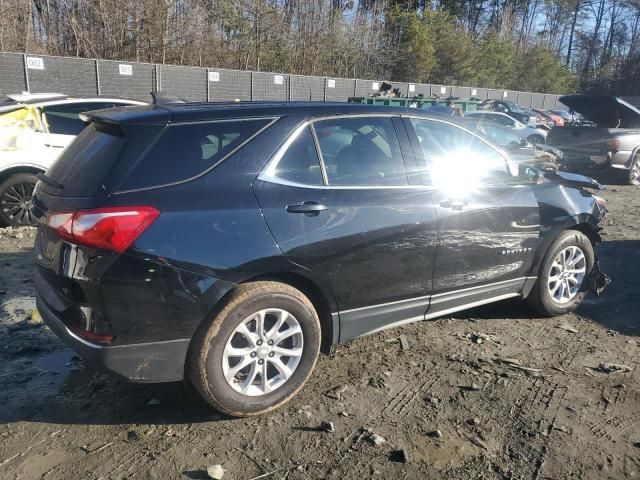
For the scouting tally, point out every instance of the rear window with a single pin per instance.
(87, 160)
(187, 150)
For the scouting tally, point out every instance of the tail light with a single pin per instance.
(112, 228)
(613, 144)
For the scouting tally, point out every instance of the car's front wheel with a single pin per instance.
(563, 279)
(15, 200)
(258, 350)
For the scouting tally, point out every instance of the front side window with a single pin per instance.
(455, 157)
(499, 135)
(501, 120)
(186, 150)
(361, 151)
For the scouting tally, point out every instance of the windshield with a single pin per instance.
(17, 126)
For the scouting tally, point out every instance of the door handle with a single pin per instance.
(453, 204)
(310, 209)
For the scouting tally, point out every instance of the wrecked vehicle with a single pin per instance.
(34, 129)
(228, 243)
(610, 140)
(533, 134)
(519, 149)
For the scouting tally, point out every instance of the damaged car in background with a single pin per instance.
(519, 149)
(34, 129)
(609, 139)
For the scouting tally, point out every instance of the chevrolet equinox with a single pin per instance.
(229, 244)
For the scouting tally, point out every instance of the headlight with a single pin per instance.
(601, 202)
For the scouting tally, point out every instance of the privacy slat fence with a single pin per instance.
(81, 76)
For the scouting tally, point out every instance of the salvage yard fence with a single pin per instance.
(81, 76)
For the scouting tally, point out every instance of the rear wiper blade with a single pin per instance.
(49, 181)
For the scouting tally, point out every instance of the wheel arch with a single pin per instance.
(14, 170)
(581, 224)
(320, 297)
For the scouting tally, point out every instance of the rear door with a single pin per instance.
(345, 208)
(488, 221)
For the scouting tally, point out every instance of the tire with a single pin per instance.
(207, 358)
(633, 176)
(536, 139)
(15, 200)
(541, 298)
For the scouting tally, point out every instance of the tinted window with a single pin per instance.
(86, 161)
(300, 162)
(361, 151)
(184, 151)
(454, 154)
(64, 119)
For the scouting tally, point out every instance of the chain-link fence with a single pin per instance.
(81, 76)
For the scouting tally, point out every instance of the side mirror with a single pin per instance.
(528, 174)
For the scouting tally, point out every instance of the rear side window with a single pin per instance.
(187, 150)
(361, 151)
(86, 161)
(300, 163)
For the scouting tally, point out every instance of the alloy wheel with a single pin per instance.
(634, 174)
(566, 274)
(263, 352)
(15, 203)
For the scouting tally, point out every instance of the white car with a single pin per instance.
(34, 129)
(533, 134)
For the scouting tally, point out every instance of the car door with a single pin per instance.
(488, 220)
(352, 215)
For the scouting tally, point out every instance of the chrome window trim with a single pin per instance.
(211, 167)
(268, 173)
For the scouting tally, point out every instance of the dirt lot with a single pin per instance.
(491, 393)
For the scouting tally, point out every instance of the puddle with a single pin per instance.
(17, 309)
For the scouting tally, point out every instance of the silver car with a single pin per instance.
(534, 135)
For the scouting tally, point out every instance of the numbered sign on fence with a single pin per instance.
(125, 69)
(214, 76)
(35, 63)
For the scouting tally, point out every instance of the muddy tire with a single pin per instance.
(257, 351)
(15, 200)
(563, 278)
(633, 177)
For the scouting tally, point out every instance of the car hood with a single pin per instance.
(604, 110)
(573, 180)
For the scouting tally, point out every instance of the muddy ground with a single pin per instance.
(491, 393)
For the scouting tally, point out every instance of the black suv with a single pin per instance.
(229, 244)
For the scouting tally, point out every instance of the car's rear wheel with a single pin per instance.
(563, 279)
(15, 200)
(634, 171)
(258, 350)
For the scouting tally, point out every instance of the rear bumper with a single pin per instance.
(141, 362)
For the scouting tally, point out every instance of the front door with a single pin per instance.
(488, 221)
(353, 218)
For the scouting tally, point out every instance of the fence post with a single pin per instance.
(97, 76)
(26, 71)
